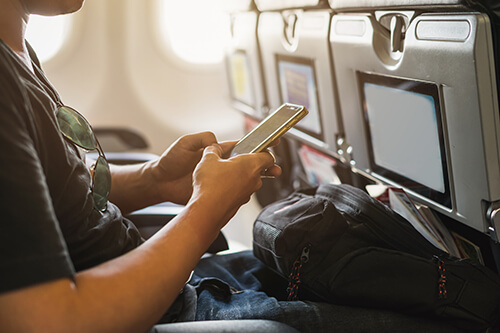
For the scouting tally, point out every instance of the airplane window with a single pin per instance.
(47, 34)
(197, 30)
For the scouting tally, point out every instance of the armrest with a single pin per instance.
(217, 326)
(120, 139)
(149, 220)
(124, 158)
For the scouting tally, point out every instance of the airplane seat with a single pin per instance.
(296, 66)
(419, 100)
(122, 145)
(247, 87)
(243, 62)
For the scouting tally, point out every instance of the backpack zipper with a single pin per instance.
(294, 277)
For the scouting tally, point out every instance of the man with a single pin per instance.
(67, 262)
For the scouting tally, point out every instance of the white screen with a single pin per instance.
(404, 134)
(298, 86)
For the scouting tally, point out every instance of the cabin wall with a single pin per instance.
(117, 74)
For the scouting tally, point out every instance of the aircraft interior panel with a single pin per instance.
(395, 64)
(297, 69)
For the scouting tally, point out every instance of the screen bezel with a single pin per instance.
(422, 88)
(250, 79)
(307, 62)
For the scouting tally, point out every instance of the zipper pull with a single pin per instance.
(442, 292)
(294, 277)
(304, 257)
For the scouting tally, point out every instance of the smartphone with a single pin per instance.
(269, 129)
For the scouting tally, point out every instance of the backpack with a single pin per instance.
(337, 244)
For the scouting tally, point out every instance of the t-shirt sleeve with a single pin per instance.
(32, 248)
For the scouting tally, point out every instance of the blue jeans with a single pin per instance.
(239, 286)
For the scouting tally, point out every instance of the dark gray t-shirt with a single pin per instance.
(48, 226)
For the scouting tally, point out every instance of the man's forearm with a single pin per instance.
(127, 294)
(132, 187)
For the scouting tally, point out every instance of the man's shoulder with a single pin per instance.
(13, 94)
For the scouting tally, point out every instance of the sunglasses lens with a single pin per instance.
(76, 128)
(102, 184)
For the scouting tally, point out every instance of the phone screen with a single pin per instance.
(270, 129)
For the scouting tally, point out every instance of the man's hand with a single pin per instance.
(226, 184)
(172, 172)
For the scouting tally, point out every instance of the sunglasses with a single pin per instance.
(77, 129)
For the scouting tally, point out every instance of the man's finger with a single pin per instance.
(273, 172)
(214, 149)
(227, 146)
(266, 160)
(275, 142)
(271, 153)
(201, 140)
